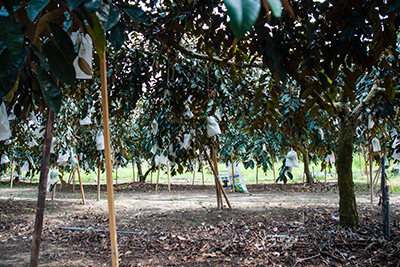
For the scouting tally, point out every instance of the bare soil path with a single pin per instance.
(287, 225)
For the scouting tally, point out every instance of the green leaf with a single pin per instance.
(276, 7)
(243, 14)
(11, 63)
(7, 83)
(42, 58)
(72, 4)
(34, 8)
(51, 93)
(11, 35)
(64, 42)
(138, 14)
(97, 35)
(59, 65)
(117, 36)
(92, 5)
(108, 15)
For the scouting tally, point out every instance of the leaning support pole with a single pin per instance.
(98, 182)
(218, 186)
(385, 201)
(44, 169)
(107, 152)
(12, 173)
(80, 181)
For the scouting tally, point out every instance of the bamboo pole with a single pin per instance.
(98, 182)
(53, 192)
(233, 176)
(370, 174)
(194, 173)
(116, 175)
(133, 170)
(216, 177)
(80, 181)
(107, 150)
(158, 176)
(151, 177)
(44, 169)
(233, 172)
(168, 175)
(202, 170)
(12, 173)
(365, 162)
(256, 174)
(73, 180)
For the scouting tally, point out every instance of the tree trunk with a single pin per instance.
(347, 203)
(306, 161)
(140, 175)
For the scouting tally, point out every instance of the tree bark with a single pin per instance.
(306, 160)
(347, 203)
(37, 233)
(141, 177)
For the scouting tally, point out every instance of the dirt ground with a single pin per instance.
(273, 225)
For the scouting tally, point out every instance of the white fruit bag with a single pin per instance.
(330, 157)
(63, 159)
(52, 178)
(25, 167)
(85, 46)
(154, 127)
(240, 186)
(292, 160)
(212, 126)
(100, 141)
(376, 146)
(4, 159)
(86, 121)
(5, 131)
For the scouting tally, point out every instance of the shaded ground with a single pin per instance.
(287, 225)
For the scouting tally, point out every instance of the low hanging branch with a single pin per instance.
(216, 60)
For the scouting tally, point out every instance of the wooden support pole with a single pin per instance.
(133, 170)
(53, 192)
(370, 175)
(116, 175)
(233, 176)
(98, 182)
(12, 173)
(194, 173)
(256, 174)
(158, 176)
(107, 152)
(169, 179)
(80, 181)
(44, 169)
(216, 177)
(202, 170)
(151, 177)
(365, 162)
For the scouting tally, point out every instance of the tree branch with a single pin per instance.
(215, 60)
(372, 96)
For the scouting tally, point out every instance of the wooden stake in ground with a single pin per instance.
(133, 170)
(12, 173)
(169, 180)
(370, 174)
(202, 169)
(53, 192)
(256, 174)
(98, 182)
(158, 176)
(116, 175)
(80, 181)
(194, 173)
(44, 169)
(107, 152)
